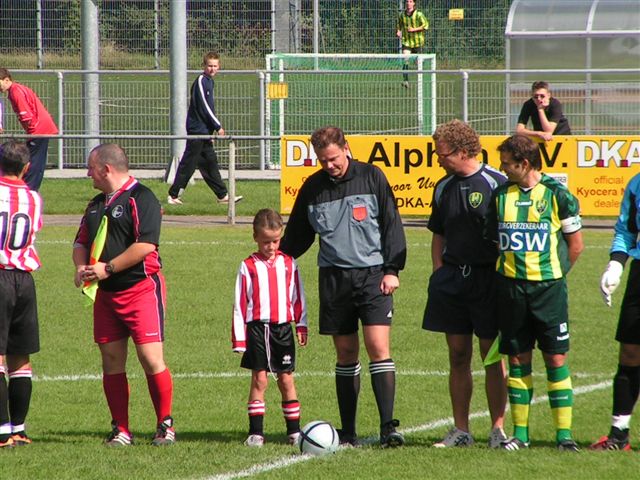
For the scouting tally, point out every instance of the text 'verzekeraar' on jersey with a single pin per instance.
(523, 236)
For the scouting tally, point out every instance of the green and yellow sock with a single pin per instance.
(561, 400)
(520, 389)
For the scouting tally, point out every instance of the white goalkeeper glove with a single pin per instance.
(610, 280)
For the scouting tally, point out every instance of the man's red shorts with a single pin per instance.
(137, 312)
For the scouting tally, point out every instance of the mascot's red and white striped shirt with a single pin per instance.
(20, 219)
(267, 291)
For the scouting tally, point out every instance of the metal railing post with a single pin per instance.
(60, 119)
(231, 219)
(262, 95)
(465, 96)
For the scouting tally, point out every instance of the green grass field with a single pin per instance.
(70, 196)
(69, 417)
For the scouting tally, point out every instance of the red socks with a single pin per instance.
(161, 391)
(116, 389)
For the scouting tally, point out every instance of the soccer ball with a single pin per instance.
(318, 438)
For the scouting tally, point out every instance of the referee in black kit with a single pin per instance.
(351, 207)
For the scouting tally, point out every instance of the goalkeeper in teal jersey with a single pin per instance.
(538, 234)
(626, 382)
(412, 25)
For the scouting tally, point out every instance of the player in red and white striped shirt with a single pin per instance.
(269, 297)
(20, 219)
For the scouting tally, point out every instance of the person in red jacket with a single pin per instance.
(35, 120)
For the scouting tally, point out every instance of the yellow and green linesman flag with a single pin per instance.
(493, 355)
(90, 288)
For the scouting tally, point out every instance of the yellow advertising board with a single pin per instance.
(277, 90)
(596, 169)
(456, 14)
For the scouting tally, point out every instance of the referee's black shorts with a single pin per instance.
(628, 330)
(19, 334)
(351, 294)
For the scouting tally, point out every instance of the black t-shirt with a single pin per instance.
(133, 215)
(459, 213)
(553, 112)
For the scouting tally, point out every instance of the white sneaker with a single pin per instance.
(496, 437)
(294, 438)
(174, 201)
(118, 438)
(254, 440)
(455, 438)
(225, 199)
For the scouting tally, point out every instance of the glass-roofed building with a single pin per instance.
(601, 36)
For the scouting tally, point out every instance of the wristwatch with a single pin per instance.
(110, 269)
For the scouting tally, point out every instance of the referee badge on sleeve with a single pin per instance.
(359, 212)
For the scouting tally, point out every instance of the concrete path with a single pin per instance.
(218, 220)
(200, 220)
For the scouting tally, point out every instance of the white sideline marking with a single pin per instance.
(290, 460)
(540, 399)
(241, 374)
(166, 242)
(264, 467)
(242, 242)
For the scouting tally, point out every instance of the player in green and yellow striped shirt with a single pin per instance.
(538, 234)
(412, 25)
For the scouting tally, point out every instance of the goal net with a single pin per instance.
(382, 94)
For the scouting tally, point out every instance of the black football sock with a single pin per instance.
(626, 386)
(383, 381)
(256, 410)
(347, 391)
(5, 427)
(19, 397)
(291, 413)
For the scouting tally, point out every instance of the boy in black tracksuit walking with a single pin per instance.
(201, 120)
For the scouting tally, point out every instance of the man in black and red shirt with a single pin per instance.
(130, 299)
(21, 218)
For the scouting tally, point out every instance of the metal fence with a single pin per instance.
(135, 33)
(136, 103)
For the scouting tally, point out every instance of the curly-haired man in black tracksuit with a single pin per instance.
(351, 207)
